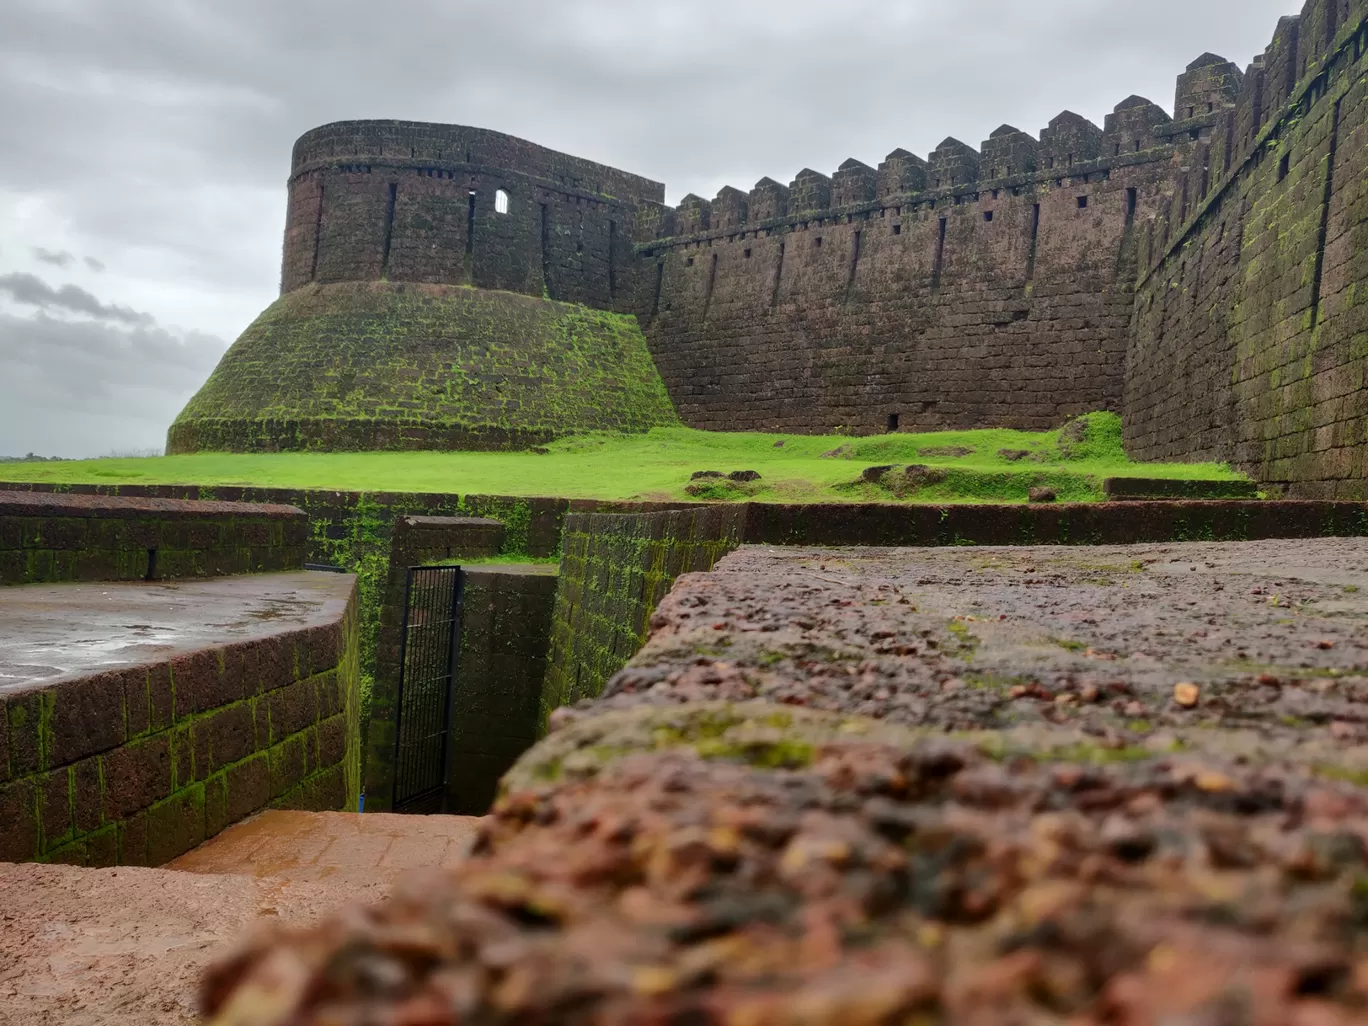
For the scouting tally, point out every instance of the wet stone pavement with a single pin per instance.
(978, 786)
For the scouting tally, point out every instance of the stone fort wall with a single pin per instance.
(1248, 342)
(408, 202)
(1195, 270)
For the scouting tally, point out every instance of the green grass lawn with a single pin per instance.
(658, 466)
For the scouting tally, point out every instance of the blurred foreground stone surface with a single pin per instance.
(1111, 786)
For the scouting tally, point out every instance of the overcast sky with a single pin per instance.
(146, 142)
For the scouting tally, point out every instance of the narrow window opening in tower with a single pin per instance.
(1192, 111)
(1211, 107)
(1137, 145)
(987, 215)
(1131, 199)
(1284, 166)
(1117, 151)
(500, 202)
(1035, 241)
(1070, 160)
(817, 242)
(897, 229)
(1082, 202)
(748, 254)
(689, 262)
(893, 419)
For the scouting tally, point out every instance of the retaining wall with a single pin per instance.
(138, 765)
(48, 537)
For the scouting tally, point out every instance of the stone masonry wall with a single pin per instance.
(1249, 328)
(138, 766)
(983, 288)
(47, 538)
(403, 201)
(496, 698)
(615, 569)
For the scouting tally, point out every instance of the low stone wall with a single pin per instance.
(496, 697)
(48, 537)
(137, 765)
(615, 569)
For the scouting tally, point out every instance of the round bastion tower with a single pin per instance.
(442, 287)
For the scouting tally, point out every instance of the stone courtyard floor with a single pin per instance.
(89, 947)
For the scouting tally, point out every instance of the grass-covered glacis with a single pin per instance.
(969, 466)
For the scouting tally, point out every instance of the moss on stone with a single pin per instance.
(363, 366)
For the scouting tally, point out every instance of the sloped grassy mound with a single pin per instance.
(357, 367)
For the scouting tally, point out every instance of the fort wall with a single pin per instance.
(978, 288)
(448, 205)
(1248, 335)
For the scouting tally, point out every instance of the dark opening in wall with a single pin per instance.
(892, 422)
(689, 262)
(1137, 145)
(1211, 107)
(897, 229)
(1117, 152)
(987, 215)
(748, 254)
(1035, 241)
(1131, 199)
(1082, 202)
(1192, 111)
(817, 241)
(1284, 166)
(151, 565)
(854, 263)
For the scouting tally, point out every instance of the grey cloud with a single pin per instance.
(30, 290)
(84, 388)
(94, 265)
(57, 258)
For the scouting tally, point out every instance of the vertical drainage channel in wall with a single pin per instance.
(712, 281)
(389, 229)
(1324, 229)
(612, 260)
(659, 287)
(318, 229)
(778, 277)
(546, 251)
(855, 263)
(470, 241)
(938, 265)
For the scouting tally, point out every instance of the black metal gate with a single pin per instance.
(431, 643)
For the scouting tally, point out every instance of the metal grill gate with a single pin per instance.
(430, 645)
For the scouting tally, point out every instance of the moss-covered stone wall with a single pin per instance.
(1250, 343)
(376, 365)
(137, 766)
(615, 569)
(46, 538)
